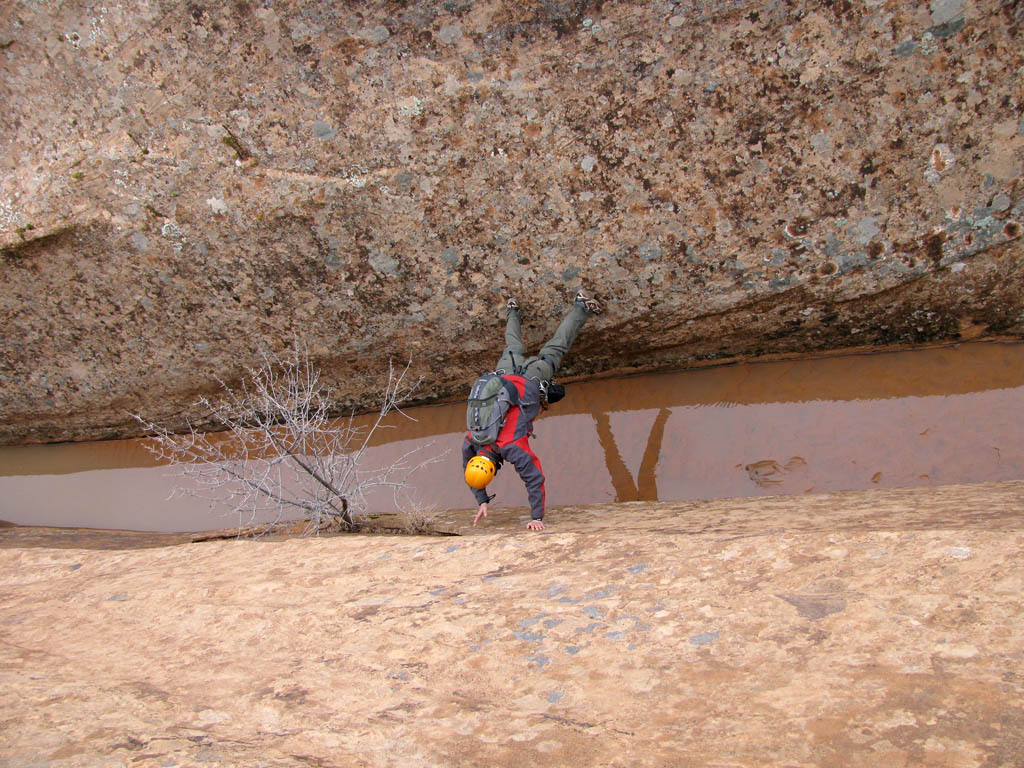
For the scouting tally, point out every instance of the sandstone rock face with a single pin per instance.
(867, 629)
(184, 182)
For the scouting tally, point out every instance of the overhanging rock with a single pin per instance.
(183, 183)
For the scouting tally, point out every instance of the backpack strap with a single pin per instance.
(517, 370)
(510, 389)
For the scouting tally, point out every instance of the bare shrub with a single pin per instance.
(276, 449)
(416, 518)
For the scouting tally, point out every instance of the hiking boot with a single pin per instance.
(511, 305)
(588, 302)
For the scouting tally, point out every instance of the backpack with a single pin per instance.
(487, 406)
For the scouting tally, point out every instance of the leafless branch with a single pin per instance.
(276, 447)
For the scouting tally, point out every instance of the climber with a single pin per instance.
(503, 405)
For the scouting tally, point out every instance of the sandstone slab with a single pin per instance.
(854, 629)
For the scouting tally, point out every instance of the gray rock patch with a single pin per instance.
(850, 261)
(821, 143)
(382, 263)
(906, 48)
(449, 33)
(704, 638)
(530, 637)
(950, 28)
(376, 34)
(867, 229)
(832, 246)
(945, 10)
(323, 130)
(650, 251)
(1001, 203)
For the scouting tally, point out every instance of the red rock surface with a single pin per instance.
(857, 629)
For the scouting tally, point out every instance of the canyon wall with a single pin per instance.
(184, 184)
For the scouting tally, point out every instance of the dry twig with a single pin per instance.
(281, 451)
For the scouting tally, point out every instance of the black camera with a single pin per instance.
(555, 392)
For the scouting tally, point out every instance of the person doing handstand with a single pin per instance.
(531, 378)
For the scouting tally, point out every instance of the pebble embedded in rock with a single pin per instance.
(1001, 203)
(449, 33)
(377, 34)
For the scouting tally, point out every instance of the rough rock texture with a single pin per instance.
(860, 629)
(182, 182)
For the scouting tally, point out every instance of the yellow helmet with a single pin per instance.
(479, 472)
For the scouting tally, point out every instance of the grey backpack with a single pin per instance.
(488, 404)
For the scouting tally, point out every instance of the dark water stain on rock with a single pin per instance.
(933, 245)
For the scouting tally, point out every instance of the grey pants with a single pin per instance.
(544, 365)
